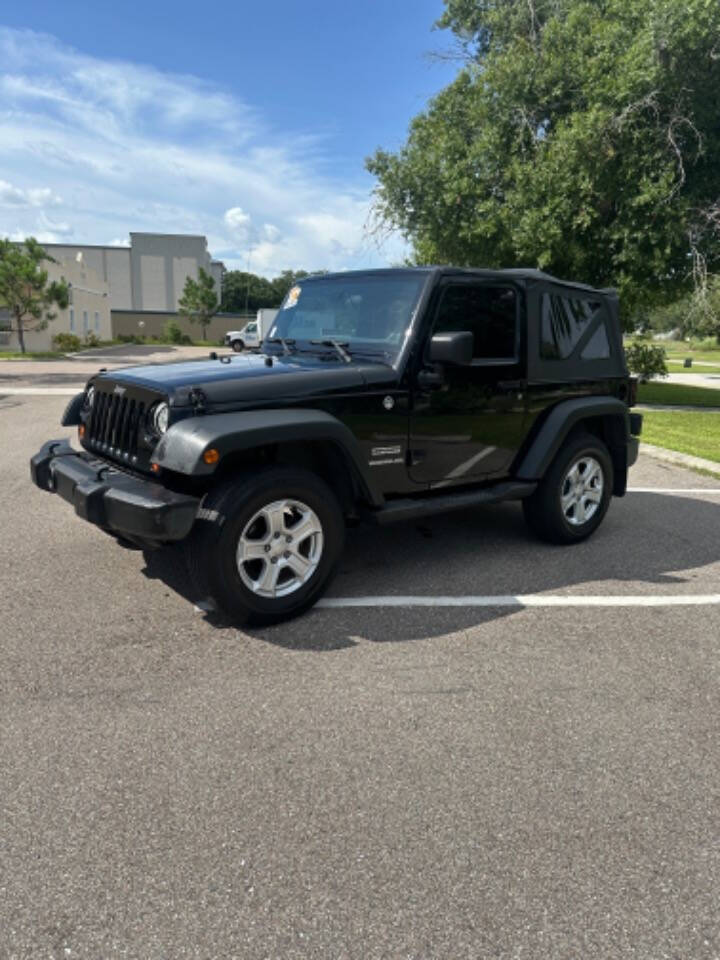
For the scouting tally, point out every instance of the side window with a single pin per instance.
(564, 321)
(490, 313)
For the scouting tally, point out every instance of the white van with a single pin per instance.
(251, 335)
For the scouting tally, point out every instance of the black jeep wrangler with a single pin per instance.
(380, 395)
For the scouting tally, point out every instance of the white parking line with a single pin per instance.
(528, 600)
(674, 490)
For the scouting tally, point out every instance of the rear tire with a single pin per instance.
(574, 495)
(266, 545)
(238, 346)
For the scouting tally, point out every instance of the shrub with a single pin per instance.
(91, 340)
(130, 338)
(66, 342)
(646, 359)
(172, 332)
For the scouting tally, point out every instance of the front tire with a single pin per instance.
(265, 545)
(238, 346)
(574, 495)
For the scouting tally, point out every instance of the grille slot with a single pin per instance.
(115, 424)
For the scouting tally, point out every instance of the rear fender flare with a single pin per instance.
(554, 430)
(181, 449)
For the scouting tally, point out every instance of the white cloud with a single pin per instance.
(236, 219)
(59, 228)
(12, 196)
(128, 147)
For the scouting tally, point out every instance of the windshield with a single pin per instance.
(370, 314)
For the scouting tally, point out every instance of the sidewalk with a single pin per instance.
(74, 369)
(680, 459)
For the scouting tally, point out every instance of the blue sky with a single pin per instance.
(248, 123)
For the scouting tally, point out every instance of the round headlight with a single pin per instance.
(90, 397)
(160, 417)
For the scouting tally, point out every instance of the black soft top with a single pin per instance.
(538, 287)
(524, 275)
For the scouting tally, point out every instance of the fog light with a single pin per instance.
(211, 456)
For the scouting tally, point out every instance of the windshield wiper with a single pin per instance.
(337, 345)
(287, 343)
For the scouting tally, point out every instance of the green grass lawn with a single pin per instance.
(37, 355)
(676, 367)
(678, 393)
(695, 433)
(678, 351)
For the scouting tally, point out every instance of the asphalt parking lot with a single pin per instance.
(503, 778)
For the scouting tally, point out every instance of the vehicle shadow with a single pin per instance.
(646, 539)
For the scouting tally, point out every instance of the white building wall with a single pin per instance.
(182, 268)
(89, 297)
(149, 274)
(153, 283)
(112, 264)
(117, 274)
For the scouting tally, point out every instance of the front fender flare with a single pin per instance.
(181, 448)
(71, 416)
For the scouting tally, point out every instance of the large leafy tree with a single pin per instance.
(199, 302)
(24, 289)
(580, 136)
(248, 292)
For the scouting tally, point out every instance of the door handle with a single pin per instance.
(430, 379)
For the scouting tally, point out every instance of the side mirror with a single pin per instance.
(455, 349)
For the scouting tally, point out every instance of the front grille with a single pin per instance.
(113, 427)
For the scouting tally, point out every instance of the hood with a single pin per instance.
(241, 379)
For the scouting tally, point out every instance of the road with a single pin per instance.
(475, 781)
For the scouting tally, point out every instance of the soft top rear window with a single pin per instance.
(564, 320)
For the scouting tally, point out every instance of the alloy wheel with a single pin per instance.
(582, 491)
(279, 548)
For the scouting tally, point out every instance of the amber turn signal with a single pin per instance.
(211, 456)
(155, 467)
(81, 430)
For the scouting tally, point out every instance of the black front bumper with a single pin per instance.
(103, 495)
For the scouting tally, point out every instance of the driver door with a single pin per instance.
(469, 425)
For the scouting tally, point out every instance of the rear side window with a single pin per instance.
(564, 322)
(490, 313)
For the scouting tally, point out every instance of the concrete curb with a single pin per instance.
(680, 459)
(664, 407)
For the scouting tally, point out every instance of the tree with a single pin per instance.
(579, 136)
(24, 288)
(243, 292)
(283, 283)
(199, 302)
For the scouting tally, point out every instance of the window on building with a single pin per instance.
(490, 313)
(72, 320)
(564, 321)
(86, 322)
(97, 322)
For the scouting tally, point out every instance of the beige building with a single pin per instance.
(88, 311)
(148, 274)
